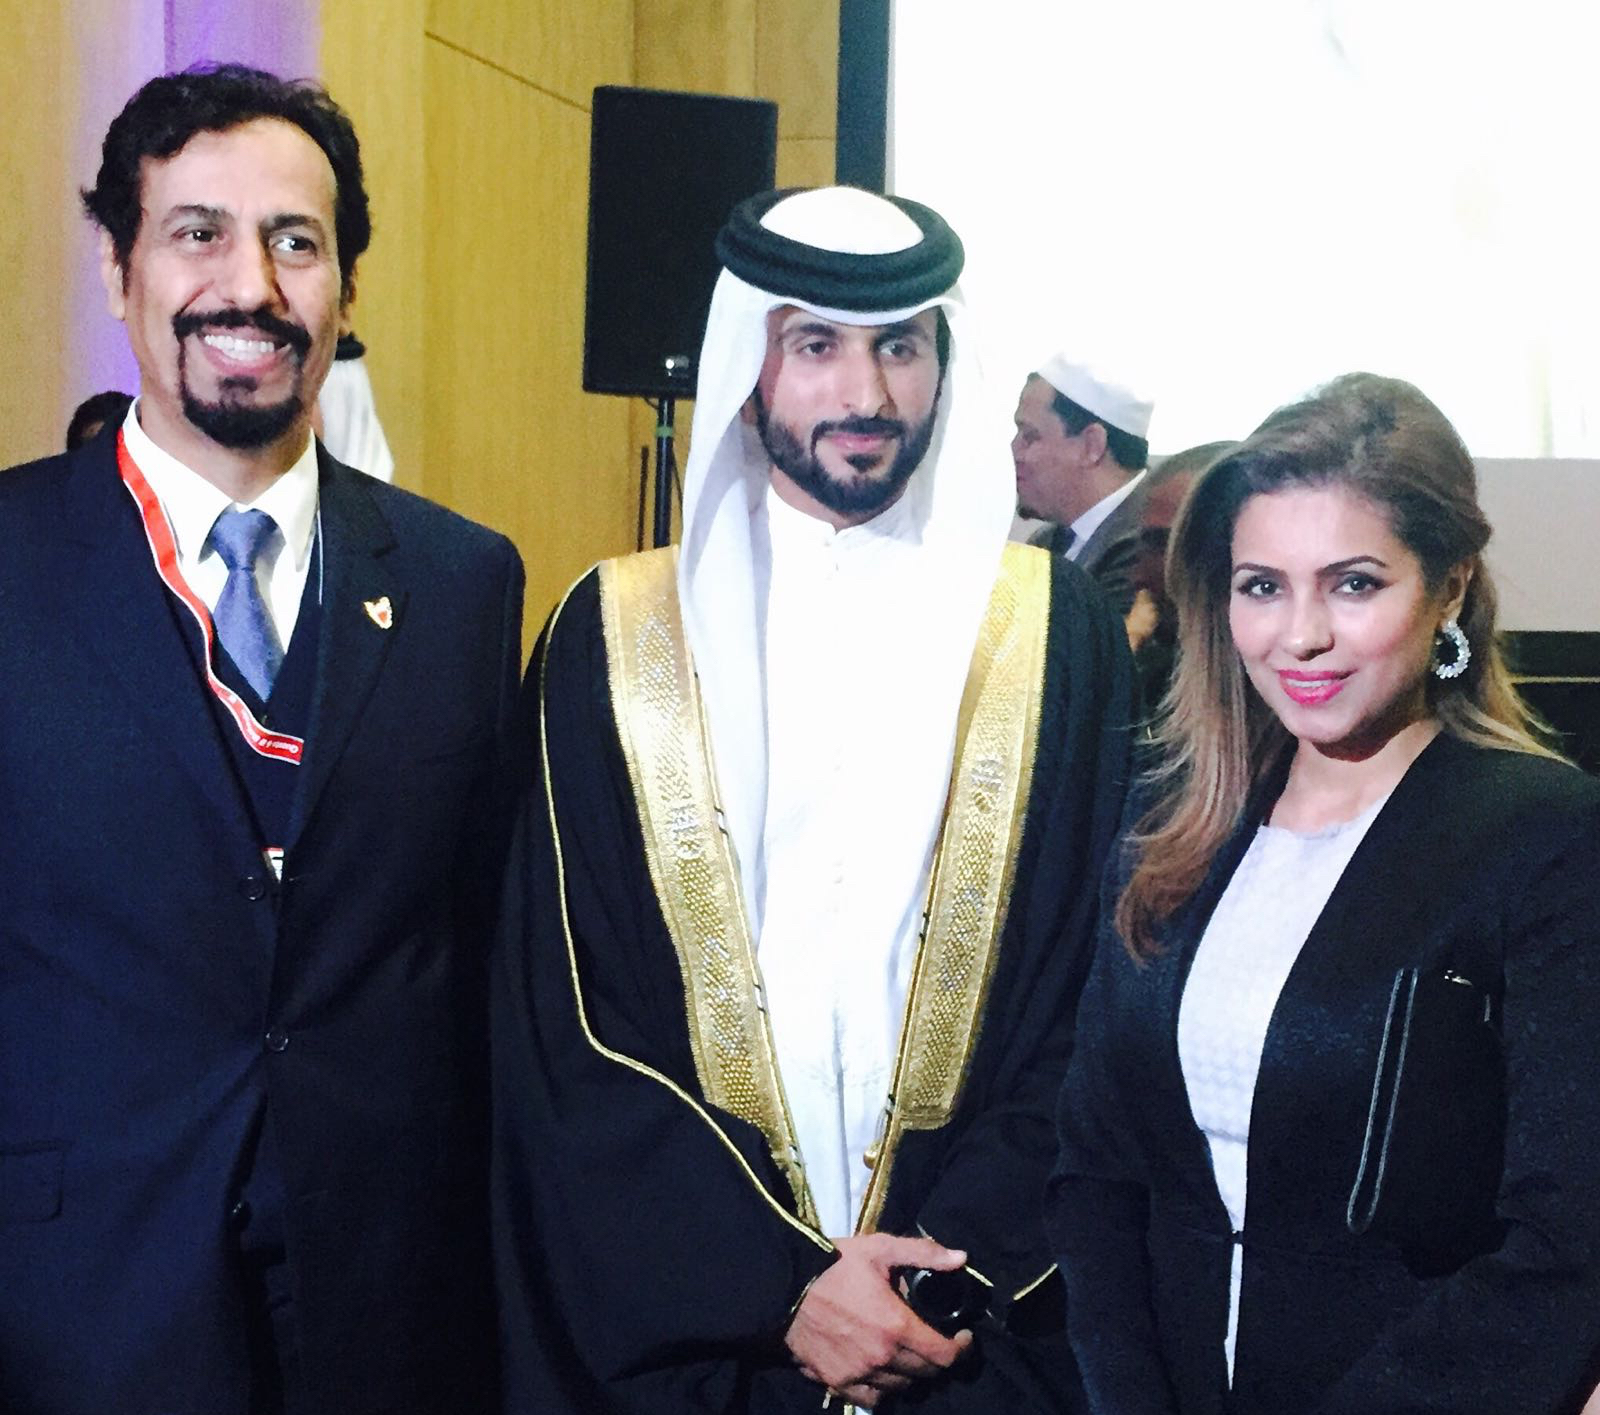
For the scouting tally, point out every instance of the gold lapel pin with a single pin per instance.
(379, 611)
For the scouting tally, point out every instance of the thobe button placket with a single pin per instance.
(277, 1041)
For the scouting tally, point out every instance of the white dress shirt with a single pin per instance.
(193, 504)
(1240, 967)
(1092, 519)
(853, 801)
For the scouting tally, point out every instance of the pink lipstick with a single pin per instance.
(1308, 688)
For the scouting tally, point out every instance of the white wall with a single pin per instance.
(1546, 548)
(1231, 201)
(1236, 200)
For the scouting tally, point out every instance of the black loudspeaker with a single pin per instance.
(665, 169)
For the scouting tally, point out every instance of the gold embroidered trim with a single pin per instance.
(639, 1067)
(974, 864)
(656, 700)
(1038, 1282)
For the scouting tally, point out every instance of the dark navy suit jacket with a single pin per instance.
(158, 987)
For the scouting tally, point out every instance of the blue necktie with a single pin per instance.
(241, 617)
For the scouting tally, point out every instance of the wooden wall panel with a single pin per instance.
(700, 46)
(511, 439)
(565, 47)
(805, 162)
(392, 276)
(476, 129)
(797, 65)
(39, 225)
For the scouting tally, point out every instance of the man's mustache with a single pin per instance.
(263, 320)
(858, 427)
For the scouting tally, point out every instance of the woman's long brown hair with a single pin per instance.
(1383, 440)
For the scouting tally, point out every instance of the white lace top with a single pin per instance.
(1240, 966)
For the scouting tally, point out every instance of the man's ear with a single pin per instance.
(747, 411)
(347, 300)
(1093, 440)
(113, 277)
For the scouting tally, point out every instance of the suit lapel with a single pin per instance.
(1124, 517)
(363, 610)
(115, 607)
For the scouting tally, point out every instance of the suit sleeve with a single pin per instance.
(639, 1231)
(1539, 1291)
(1113, 571)
(483, 849)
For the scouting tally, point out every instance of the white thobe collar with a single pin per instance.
(792, 527)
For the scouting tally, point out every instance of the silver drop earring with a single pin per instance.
(1455, 666)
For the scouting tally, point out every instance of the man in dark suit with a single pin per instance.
(1080, 453)
(255, 719)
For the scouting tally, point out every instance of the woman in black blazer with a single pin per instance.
(1349, 790)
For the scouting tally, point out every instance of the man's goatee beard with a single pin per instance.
(240, 427)
(864, 496)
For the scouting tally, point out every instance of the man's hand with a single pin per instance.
(854, 1334)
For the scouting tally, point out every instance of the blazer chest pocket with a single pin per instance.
(1434, 1147)
(30, 1183)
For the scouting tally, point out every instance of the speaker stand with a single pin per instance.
(666, 414)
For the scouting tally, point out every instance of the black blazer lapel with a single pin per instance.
(1381, 906)
(363, 610)
(114, 605)
(1321, 1045)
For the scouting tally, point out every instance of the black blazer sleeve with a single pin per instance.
(1097, 1206)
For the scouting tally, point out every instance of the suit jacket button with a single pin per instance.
(239, 1216)
(253, 887)
(277, 1041)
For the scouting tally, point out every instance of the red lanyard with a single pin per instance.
(164, 547)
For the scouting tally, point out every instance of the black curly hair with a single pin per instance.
(163, 115)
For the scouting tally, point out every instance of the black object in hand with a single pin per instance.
(947, 1301)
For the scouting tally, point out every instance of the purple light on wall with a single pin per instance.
(278, 35)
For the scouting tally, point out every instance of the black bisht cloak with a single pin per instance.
(644, 1268)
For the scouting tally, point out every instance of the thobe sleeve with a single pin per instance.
(638, 1229)
(1468, 1342)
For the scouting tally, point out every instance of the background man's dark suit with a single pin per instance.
(1110, 551)
(158, 989)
